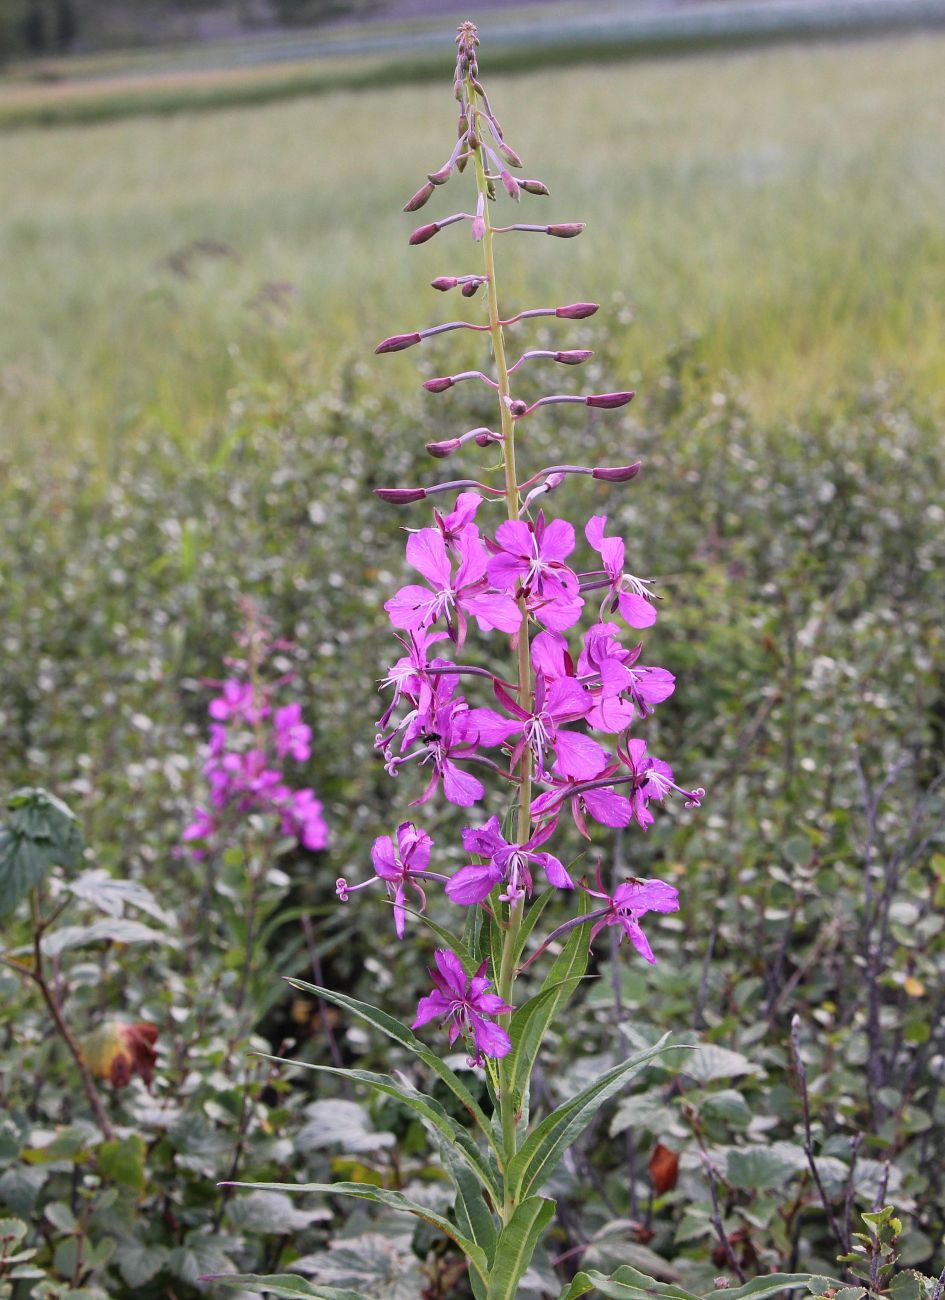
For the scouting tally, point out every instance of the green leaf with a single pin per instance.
(708, 1062)
(139, 1263)
(122, 1161)
(762, 1168)
(473, 1216)
(12, 1230)
(401, 1034)
(289, 1285)
(381, 1196)
(761, 1287)
(112, 895)
(516, 1245)
(626, 1284)
(41, 832)
(108, 930)
(530, 1022)
(543, 1148)
(426, 1108)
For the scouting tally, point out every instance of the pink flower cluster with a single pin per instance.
(250, 743)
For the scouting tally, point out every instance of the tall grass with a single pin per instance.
(783, 209)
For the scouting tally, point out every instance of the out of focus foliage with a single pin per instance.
(803, 573)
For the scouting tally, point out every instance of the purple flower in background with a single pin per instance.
(237, 700)
(450, 596)
(397, 867)
(466, 1006)
(629, 901)
(306, 820)
(503, 861)
(628, 594)
(201, 828)
(531, 557)
(293, 737)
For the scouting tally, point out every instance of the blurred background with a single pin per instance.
(201, 240)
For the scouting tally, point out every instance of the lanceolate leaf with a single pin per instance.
(289, 1285)
(427, 1108)
(473, 1216)
(516, 1245)
(543, 1148)
(625, 1284)
(393, 1200)
(400, 1034)
(761, 1287)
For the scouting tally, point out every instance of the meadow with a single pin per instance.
(192, 416)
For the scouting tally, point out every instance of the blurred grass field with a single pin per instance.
(783, 210)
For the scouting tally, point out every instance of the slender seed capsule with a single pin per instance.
(397, 343)
(576, 310)
(418, 199)
(566, 229)
(616, 473)
(608, 401)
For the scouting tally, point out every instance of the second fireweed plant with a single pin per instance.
(556, 721)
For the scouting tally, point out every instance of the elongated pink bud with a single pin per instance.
(423, 233)
(479, 221)
(470, 287)
(607, 401)
(576, 310)
(573, 357)
(418, 199)
(438, 385)
(445, 448)
(617, 473)
(511, 184)
(442, 176)
(509, 154)
(444, 282)
(566, 229)
(535, 187)
(397, 343)
(400, 496)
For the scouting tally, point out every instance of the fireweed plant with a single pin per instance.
(556, 725)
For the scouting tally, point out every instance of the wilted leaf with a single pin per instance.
(664, 1168)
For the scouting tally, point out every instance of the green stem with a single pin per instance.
(506, 974)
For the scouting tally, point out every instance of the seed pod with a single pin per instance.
(418, 199)
(576, 310)
(608, 401)
(566, 229)
(397, 343)
(438, 385)
(574, 356)
(423, 233)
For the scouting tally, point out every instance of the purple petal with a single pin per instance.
(472, 884)
(459, 787)
(647, 896)
(608, 807)
(638, 939)
(493, 610)
(382, 856)
(557, 540)
(411, 607)
(578, 756)
(452, 971)
(636, 609)
(490, 1039)
(426, 551)
(554, 870)
(486, 727)
(430, 1007)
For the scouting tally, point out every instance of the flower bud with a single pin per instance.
(573, 357)
(511, 184)
(608, 401)
(576, 310)
(444, 282)
(400, 496)
(479, 221)
(485, 438)
(616, 473)
(438, 385)
(517, 408)
(509, 154)
(397, 343)
(418, 200)
(470, 288)
(442, 176)
(566, 229)
(535, 187)
(445, 448)
(423, 233)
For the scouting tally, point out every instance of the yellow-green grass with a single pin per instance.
(786, 206)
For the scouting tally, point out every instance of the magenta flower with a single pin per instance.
(652, 779)
(408, 675)
(237, 700)
(201, 828)
(460, 520)
(531, 558)
(628, 594)
(304, 818)
(576, 755)
(502, 861)
(621, 686)
(399, 868)
(601, 802)
(441, 726)
(451, 596)
(466, 1006)
(631, 900)
(293, 737)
